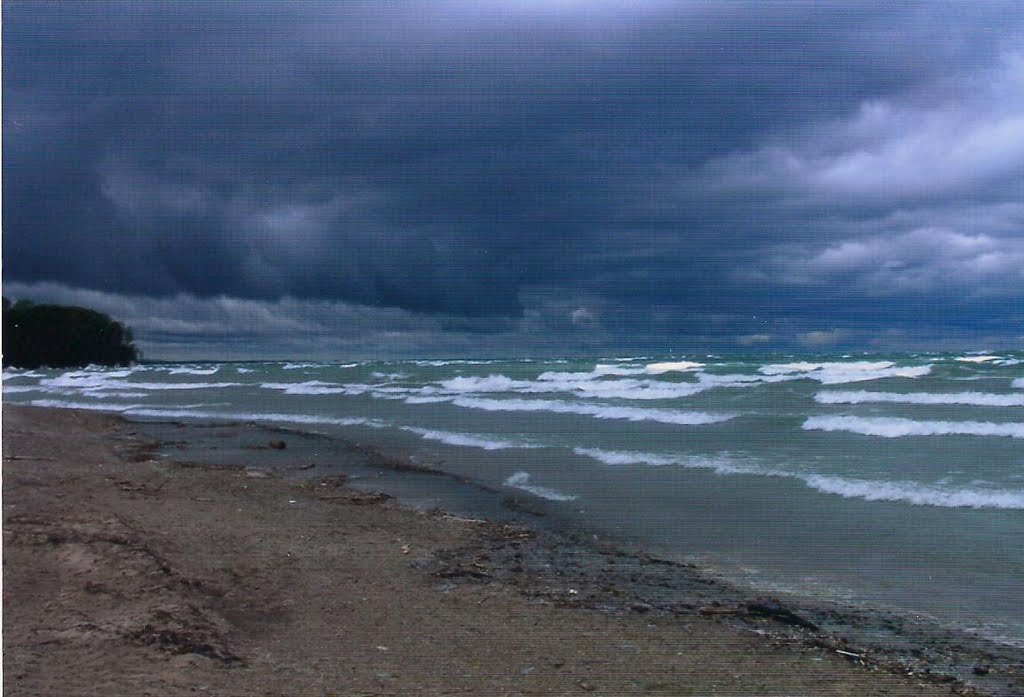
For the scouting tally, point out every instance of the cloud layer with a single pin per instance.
(735, 173)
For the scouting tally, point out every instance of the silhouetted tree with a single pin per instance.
(60, 336)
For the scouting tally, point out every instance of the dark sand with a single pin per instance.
(128, 575)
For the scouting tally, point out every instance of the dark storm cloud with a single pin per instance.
(573, 167)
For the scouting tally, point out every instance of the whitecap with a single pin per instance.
(193, 371)
(85, 406)
(310, 387)
(182, 412)
(105, 394)
(916, 493)
(1018, 384)
(520, 480)
(970, 398)
(491, 383)
(9, 373)
(636, 389)
(602, 369)
(832, 373)
(465, 439)
(82, 380)
(687, 418)
(424, 399)
(976, 359)
(616, 457)
(673, 366)
(578, 384)
(247, 416)
(719, 465)
(898, 427)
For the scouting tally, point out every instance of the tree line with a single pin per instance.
(61, 336)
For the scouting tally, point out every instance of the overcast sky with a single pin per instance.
(338, 179)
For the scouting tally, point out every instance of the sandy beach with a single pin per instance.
(128, 573)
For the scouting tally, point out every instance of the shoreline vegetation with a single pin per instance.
(63, 336)
(131, 571)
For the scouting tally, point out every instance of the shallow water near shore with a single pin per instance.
(886, 481)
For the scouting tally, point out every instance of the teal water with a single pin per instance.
(892, 480)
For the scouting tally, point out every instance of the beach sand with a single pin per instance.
(125, 574)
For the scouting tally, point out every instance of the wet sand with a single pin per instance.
(125, 573)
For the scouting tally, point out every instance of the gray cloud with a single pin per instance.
(611, 170)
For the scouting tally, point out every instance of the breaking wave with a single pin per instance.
(687, 418)
(141, 410)
(311, 387)
(898, 427)
(914, 493)
(465, 439)
(579, 384)
(520, 480)
(834, 373)
(970, 398)
(673, 366)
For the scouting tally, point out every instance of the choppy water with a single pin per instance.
(894, 480)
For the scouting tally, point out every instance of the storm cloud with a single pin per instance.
(440, 176)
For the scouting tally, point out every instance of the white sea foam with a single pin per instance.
(617, 457)
(82, 380)
(184, 412)
(673, 366)
(465, 439)
(425, 400)
(688, 418)
(299, 366)
(170, 385)
(249, 416)
(106, 394)
(442, 363)
(973, 398)
(711, 380)
(602, 369)
(719, 465)
(310, 387)
(1018, 384)
(87, 406)
(833, 373)
(977, 359)
(578, 384)
(635, 389)
(520, 480)
(493, 383)
(899, 427)
(916, 493)
(10, 373)
(193, 371)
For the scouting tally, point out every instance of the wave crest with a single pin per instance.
(898, 427)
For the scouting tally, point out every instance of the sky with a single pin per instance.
(534, 177)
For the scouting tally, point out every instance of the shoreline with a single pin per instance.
(562, 581)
